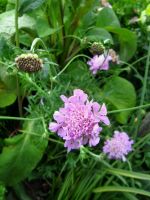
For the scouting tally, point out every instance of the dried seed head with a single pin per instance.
(114, 56)
(97, 48)
(29, 62)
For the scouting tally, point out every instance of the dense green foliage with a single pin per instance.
(34, 163)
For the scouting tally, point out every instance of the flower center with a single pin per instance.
(79, 123)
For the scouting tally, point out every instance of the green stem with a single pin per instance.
(129, 109)
(67, 65)
(131, 66)
(16, 23)
(145, 77)
(29, 79)
(18, 118)
(135, 62)
(19, 97)
(56, 141)
(139, 117)
(35, 42)
(130, 169)
(96, 157)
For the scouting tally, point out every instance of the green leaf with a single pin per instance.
(29, 5)
(107, 17)
(6, 49)
(21, 153)
(2, 192)
(130, 174)
(121, 189)
(81, 77)
(98, 34)
(127, 40)
(43, 28)
(7, 22)
(6, 97)
(121, 94)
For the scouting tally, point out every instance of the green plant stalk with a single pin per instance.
(19, 118)
(16, 23)
(17, 44)
(129, 109)
(19, 97)
(145, 77)
(97, 157)
(35, 42)
(67, 65)
(139, 117)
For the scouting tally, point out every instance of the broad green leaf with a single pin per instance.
(107, 17)
(21, 153)
(98, 34)
(7, 22)
(43, 28)
(121, 189)
(29, 5)
(120, 94)
(7, 96)
(127, 40)
(79, 12)
(130, 174)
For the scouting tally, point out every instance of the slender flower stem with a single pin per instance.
(145, 77)
(129, 109)
(143, 89)
(35, 42)
(19, 97)
(16, 23)
(96, 157)
(131, 66)
(19, 118)
(67, 65)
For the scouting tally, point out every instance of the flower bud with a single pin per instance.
(97, 48)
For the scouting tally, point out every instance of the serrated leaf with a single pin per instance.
(21, 153)
(120, 94)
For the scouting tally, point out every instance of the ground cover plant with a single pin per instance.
(74, 100)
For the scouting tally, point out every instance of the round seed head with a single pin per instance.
(29, 62)
(97, 48)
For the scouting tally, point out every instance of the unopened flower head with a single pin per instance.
(118, 146)
(29, 62)
(97, 48)
(78, 121)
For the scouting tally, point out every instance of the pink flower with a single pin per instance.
(78, 121)
(100, 62)
(118, 146)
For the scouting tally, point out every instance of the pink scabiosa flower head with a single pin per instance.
(78, 121)
(99, 62)
(118, 146)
